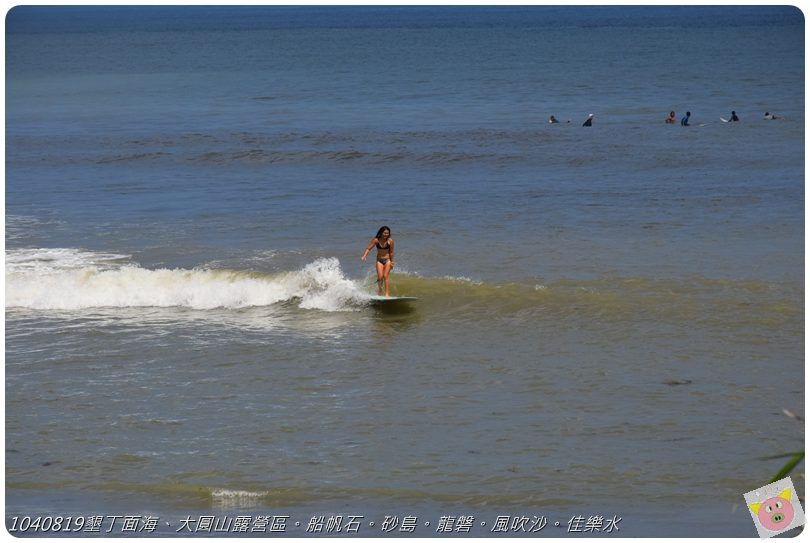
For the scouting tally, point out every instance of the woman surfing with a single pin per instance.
(385, 258)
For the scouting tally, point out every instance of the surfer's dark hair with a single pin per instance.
(381, 230)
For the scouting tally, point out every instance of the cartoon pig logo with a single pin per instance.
(776, 513)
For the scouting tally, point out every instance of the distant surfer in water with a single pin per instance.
(385, 258)
(671, 118)
(685, 120)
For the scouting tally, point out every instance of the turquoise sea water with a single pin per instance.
(189, 190)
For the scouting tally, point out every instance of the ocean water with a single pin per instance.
(610, 319)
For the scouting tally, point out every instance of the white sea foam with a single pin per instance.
(69, 279)
(224, 497)
(462, 279)
(48, 261)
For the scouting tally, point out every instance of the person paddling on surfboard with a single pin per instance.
(385, 258)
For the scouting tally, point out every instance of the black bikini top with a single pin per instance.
(381, 248)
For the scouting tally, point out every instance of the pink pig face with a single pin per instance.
(775, 514)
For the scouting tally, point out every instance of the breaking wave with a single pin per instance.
(70, 279)
(73, 279)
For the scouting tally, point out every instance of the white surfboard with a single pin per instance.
(724, 120)
(392, 298)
